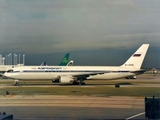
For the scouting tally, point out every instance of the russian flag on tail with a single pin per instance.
(136, 55)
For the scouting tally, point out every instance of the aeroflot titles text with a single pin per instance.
(50, 68)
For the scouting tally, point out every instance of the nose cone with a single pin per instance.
(7, 75)
(11, 75)
(4, 75)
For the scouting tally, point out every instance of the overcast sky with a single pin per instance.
(95, 32)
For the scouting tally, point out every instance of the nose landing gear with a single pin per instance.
(16, 83)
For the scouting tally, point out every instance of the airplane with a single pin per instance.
(5, 68)
(77, 74)
(43, 64)
(70, 63)
(64, 61)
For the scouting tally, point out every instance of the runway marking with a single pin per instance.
(135, 116)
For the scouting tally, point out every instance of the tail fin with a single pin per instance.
(70, 63)
(43, 64)
(65, 60)
(136, 60)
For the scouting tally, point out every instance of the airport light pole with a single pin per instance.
(23, 59)
(11, 57)
(15, 59)
(8, 60)
(0, 59)
(3, 59)
(19, 58)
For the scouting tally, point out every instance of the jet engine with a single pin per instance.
(132, 77)
(66, 79)
(56, 80)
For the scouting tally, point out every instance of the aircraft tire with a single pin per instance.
(83, 83)
(16, 84)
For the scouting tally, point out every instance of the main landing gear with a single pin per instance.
(16, 83)
(79, 82)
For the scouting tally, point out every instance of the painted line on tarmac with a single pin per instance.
(135, 116)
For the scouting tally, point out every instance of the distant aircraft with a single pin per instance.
(77, 74)
(64, 61)
(70, 63)
(43, 64)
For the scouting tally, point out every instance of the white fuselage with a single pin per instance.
(72, 73)
(53, 72)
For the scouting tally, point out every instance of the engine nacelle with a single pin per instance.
(66, 79)
(132, 77)
(56, 80)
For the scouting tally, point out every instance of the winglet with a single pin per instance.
(136, 60)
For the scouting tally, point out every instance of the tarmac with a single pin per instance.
(60, 107)
(47, 107)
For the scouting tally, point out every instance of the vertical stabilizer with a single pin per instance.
(43, 64)
(65, 60)
(70, 63)
(136, 60)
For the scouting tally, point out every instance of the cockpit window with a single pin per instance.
(9, 71)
